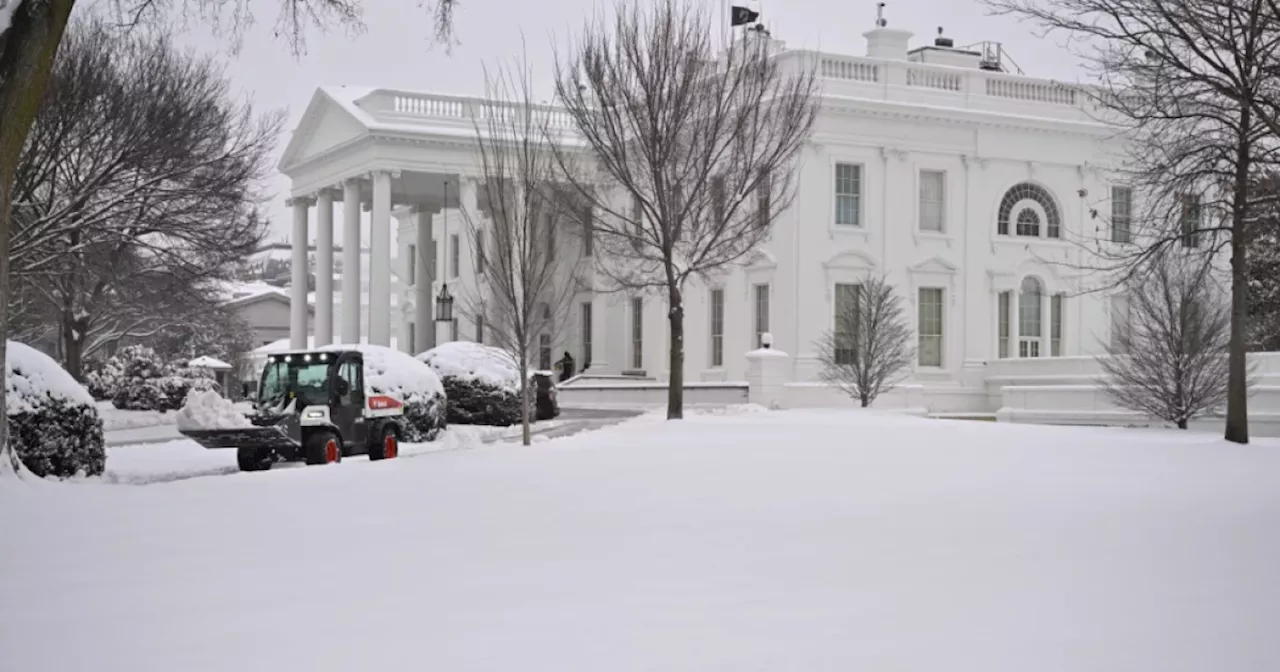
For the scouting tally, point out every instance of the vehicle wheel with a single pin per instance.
(253, 459)
(386, 445)
(323, 448)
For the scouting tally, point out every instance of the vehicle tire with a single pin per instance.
(386, 444)
(323, 448)
(253, 459)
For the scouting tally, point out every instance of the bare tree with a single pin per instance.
(30, 39)
(1188, 81)
(139, 187)
(691, 152)
(1168, 350)
(869, 350)
(524, 284)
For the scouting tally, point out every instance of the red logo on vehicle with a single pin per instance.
(379, 403)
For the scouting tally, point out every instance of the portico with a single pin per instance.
(403, 165)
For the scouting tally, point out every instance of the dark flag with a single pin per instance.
(741, 15)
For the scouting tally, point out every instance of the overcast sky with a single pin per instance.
(395, 50)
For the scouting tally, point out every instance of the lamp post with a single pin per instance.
(444, 309)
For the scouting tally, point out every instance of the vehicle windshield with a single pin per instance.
(294, 377)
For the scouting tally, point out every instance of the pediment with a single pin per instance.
(936, 265)
(324, 126)
(853, 260)
(761, 260)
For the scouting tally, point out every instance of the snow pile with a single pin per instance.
(210, 410)
(469, 361)
(53, 421)
(756, 541)
(388, 371)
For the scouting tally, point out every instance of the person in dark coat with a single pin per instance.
(566, 367)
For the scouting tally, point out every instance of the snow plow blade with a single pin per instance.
(272, 438)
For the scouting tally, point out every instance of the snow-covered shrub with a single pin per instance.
(53, 423)
(388, 371)
(103, 379)
(481, 383)
(177, 386)
(146, 383)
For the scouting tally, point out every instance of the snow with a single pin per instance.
(387, 370)
(7, 9)
(765, 352)
(210, 410)
(470, 361)
(115, 419)
(206, 362)
(236, 292)
(31, 375)
(787, 540)
(283, 345)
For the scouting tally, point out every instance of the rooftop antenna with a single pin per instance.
(880, 20)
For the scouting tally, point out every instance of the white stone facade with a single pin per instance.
(916, 158)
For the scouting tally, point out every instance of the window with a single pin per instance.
(762, 313)
(1003, 309)
(848, 320)
(480, 266)
(544, 351)
(764, 199)
(588, 235)
(454, 254)
(413, 342)
(431, 260)
(549, 233)
(453, 329)
(1056, 303)
(637, 219)
(718, 200)
(717, 328)
(480, 328)
(1189, 213)
(929, 327)
(637, 333)
(586, 335)
(848, 194)
(413, 264)
(1120, 326)
(933, 200)
(1029, 223)
(1015, 205)
(1121, 215)
(1029, 317)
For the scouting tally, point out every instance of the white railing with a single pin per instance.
(897, 81)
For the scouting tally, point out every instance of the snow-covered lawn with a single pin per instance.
(114, 419)
(799, 540)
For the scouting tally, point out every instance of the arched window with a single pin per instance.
(1030, 317)
(1026, 205)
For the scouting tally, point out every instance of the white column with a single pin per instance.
(599, 332)
(298, 285)
(324, 268)
(424, 325)
(351, 261)
(380, 261)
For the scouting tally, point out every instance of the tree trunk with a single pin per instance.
(865, 401)
(72, 347)
(1237, 385)
(27, 50)
(675, 380)
(1182, 423)
(526, 436)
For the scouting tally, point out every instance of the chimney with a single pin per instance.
(884, 42)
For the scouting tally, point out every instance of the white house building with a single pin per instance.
(970, 187)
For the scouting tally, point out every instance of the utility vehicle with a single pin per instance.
(312, 406)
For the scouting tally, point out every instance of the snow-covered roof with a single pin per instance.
(282, 346)
(206, 362)
(239, 292)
